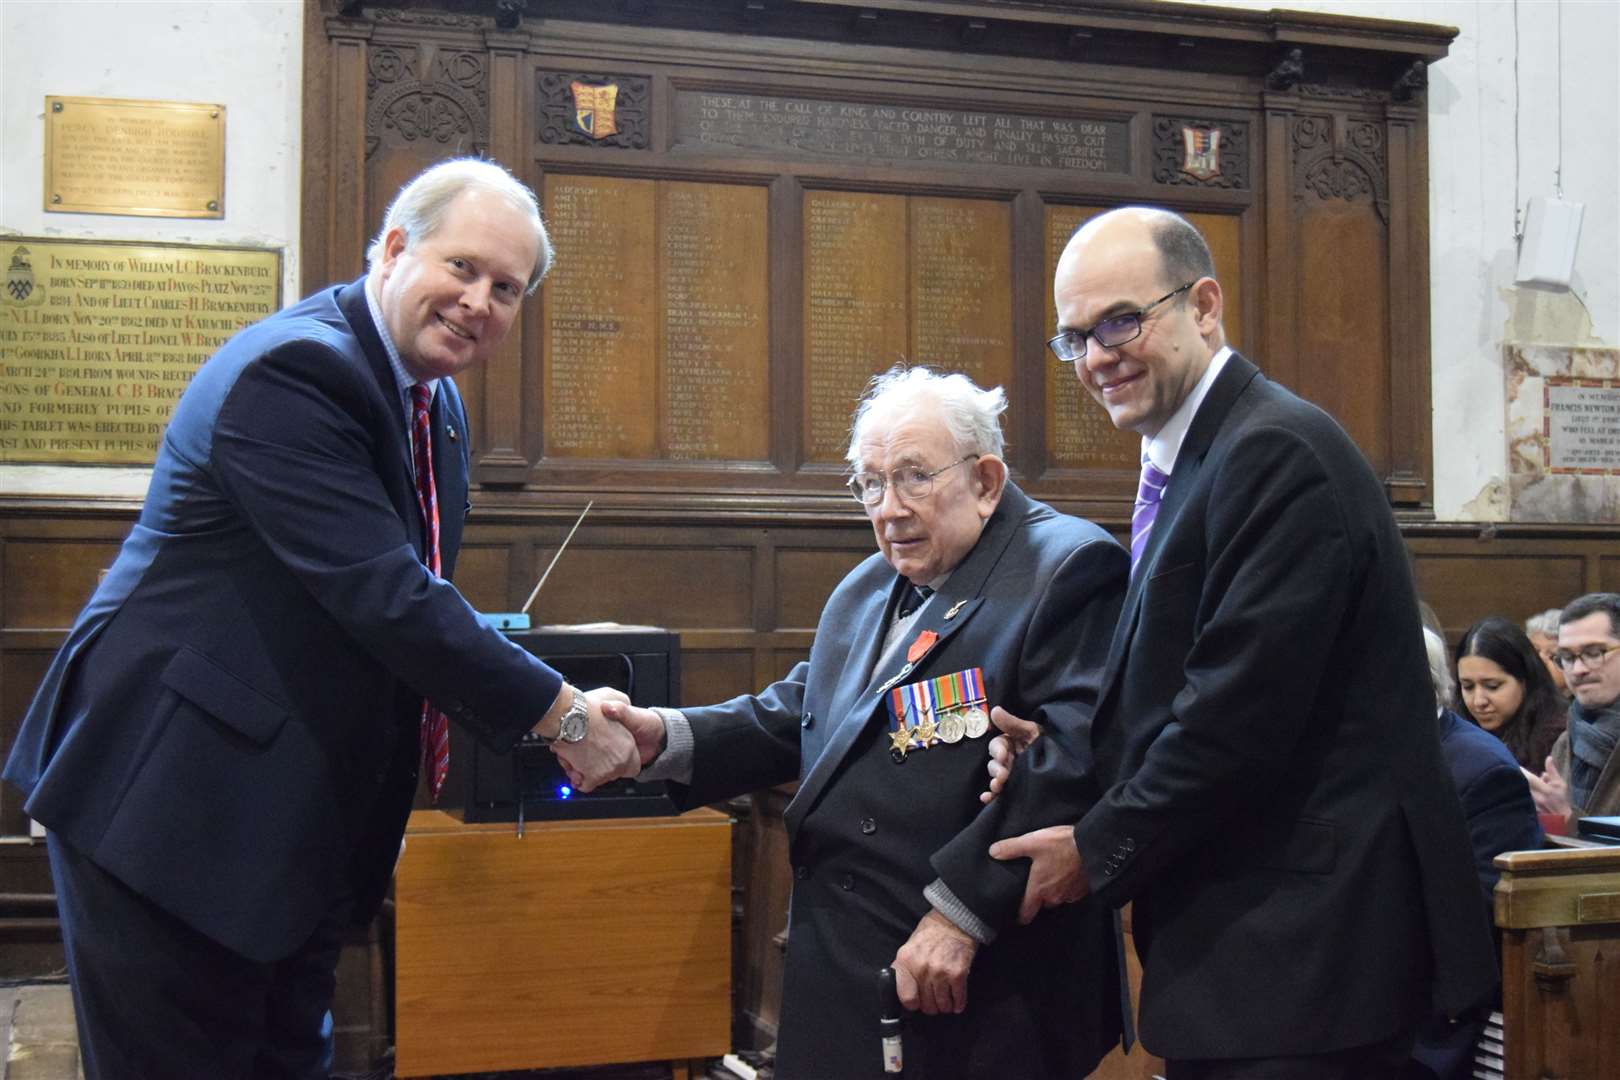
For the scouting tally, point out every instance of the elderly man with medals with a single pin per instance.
(979, 599)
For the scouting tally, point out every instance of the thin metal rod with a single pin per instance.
(530, 601)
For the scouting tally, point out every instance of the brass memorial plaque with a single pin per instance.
(1079, 434)
(895, 277)
(145, 158)
(656, 334)
(97, 340)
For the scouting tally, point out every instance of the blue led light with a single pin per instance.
(564, 791)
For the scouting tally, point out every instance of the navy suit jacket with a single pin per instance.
(231, 727)
(1501, 817)
(1032, 605)
(1277, 807)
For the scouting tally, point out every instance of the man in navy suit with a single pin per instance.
(885, 728)
(1273, 799)
(226, 748)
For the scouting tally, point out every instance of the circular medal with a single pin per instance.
(952, 726)
(978, 722)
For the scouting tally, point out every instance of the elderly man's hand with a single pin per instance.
(1016, 735)
(645, 725)
(606, 753)
(1055, 873)
(931, 968)
(1549, 790)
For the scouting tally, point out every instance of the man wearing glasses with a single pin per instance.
(979, 597)
(1274, 803)
(1583, 771)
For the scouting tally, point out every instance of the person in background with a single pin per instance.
(1582, 774)
(1501, 817)
(1542, 630)
(1505, 689)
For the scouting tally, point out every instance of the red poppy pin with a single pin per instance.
(920, 647)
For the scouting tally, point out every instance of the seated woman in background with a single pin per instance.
(1506, 690)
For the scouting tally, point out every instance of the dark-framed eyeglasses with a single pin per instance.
(910, 482)
(1593, 655)
(1112, 332)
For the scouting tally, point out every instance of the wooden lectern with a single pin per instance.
(1559, 913)
(579, 943)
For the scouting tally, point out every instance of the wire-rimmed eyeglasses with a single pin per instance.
(1112, 332)
(910, 482)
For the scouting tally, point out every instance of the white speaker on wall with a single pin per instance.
(1552, 229)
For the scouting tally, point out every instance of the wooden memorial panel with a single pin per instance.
(601, 319)
(1079, 434)
(891, 278)
(656, 320)
(855, 290)
(715, 352)
(961, 288)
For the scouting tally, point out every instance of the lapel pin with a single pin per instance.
(958, 606)
(450, 431)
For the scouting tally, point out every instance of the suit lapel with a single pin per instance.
(1212, 413)
(398, 476)
(449, 426)
(860, 696)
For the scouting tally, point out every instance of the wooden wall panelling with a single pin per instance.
(499, 433)
(1410, 467)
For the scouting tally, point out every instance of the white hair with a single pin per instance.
(421, 205)
(1545, 623)
(972, 416)
(1439, 671)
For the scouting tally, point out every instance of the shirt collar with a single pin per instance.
(1165, 447)
(403, 380)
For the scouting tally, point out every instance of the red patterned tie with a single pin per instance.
(435, 725)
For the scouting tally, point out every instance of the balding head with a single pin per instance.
(1148, 270)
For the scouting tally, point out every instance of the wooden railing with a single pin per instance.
(1559, 913)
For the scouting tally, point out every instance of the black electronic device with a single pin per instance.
(529, 783)
(1604, 830)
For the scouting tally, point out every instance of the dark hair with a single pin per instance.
(1183, 254)
(1531, 731)
(1590, 604)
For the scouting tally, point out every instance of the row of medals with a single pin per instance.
(953, 725)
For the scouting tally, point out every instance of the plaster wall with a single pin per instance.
(244, 54)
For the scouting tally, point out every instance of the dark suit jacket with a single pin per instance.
(1279, 812)
(1032, 605)
(232, 725)
(1501, 817)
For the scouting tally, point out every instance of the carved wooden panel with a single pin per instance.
(1201, 152)
(592, 109)
(807, 576)
(429, 99)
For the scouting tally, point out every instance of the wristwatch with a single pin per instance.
(571, 728)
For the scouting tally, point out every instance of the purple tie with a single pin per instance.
(1148, 493)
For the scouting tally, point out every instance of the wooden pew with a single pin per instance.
(1559, 913)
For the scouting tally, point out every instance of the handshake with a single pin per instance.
(620, 738)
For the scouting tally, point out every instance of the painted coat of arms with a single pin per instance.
(593, 108)
(1201, 152)
(20, 283)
